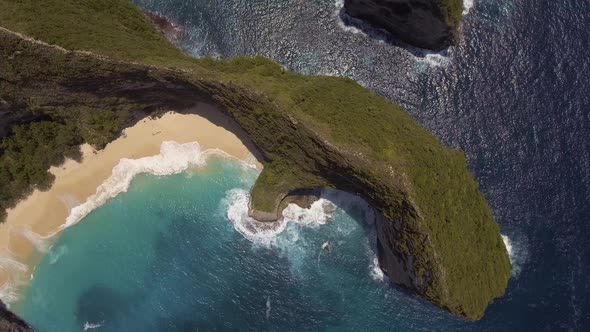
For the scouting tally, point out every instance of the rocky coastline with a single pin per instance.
(419, 23)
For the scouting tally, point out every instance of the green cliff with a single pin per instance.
(105, 66)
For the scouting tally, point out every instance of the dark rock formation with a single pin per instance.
(169, 28)
(10, 322)
(419, 23)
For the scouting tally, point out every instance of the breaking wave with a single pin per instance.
(376, 272)
(285, 236)
(517, 254)
(41, 244)
(15, 272)
(174, 158)
(265, 233)
(90, 326)
(467, 4)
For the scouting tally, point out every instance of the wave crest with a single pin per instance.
(517, 254)
(265, 233)
(285, 236)
(174, 158)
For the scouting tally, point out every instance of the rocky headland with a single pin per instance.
(427, 24)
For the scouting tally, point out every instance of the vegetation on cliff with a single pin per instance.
(312, 131)
(453, 11)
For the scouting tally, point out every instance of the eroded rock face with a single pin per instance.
(419, 23)
(10, 322)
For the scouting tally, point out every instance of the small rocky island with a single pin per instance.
(102, 69)
(428, 24)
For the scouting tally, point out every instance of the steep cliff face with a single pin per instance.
(429, 24)
(436, 236)
(9, 322)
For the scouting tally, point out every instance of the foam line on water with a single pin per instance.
(174, 158)
(41, 244)
(15, 270)
(265, 233)
(517, 253)
(270, 234)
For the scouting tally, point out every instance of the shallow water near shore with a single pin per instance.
(178, 253)
(166, 256)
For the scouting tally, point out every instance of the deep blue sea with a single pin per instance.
(176, 253)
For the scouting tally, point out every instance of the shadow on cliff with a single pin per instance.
(215, 115)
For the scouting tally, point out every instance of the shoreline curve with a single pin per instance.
(167, 145)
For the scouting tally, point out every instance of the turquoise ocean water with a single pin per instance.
(177, 253)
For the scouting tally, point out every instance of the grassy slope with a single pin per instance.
(339, 109)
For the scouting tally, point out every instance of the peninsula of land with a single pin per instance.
(81, 72)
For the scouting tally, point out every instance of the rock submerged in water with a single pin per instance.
(420, 23)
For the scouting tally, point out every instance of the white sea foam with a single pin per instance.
(508, 245)
(174, 158)
(8, 263)
(517, 253)
(90, 326)
(16, 271)
(320, 212)
(339, 4)
(376, 272)
(257, 232)
(39, 242)
(56, 254)
(434, 60)
(467, 4)
(265, 233)
(8, 293)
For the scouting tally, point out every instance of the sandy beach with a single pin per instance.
(43, 213)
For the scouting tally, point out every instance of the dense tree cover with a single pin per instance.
(29, 152)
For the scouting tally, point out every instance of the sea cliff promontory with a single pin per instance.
(428, 24)
(84, 71)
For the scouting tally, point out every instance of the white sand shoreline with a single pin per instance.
(79, 187)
